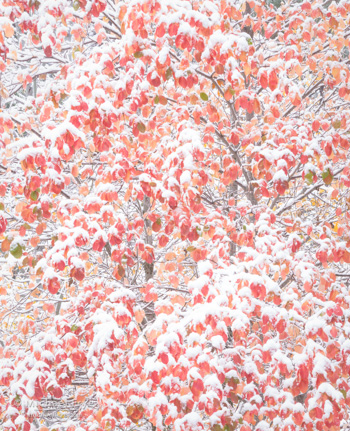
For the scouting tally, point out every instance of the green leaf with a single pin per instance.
(17, 251)
(138, 54)
(141, 127)
(74, 327)
(156, 99)
(76, 5)
(34, 195)
(2, 206)
(309, 177)
(204, 96)
(336, 124)
(168, 73)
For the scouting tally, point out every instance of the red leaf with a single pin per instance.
(48, 51)
(3, 224)
(281, 326)
(273, 80)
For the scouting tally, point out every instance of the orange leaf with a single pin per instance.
(170, 256)
(34, 241)
(5, 246)
(139, 315)
(99, 416)
(178, 299)
(84, 190)
(8, 30)
(75, 171)
(40, 228)
(84, 256)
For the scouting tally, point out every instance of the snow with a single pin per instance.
(151, 364)
(100, 234)
(103, 379)
(61, 129)
(263, 426)
(57, 257)
(280, 176)
(192, 421)
(345, 345)
(280, 357)
(163, 54)
(329, 390)
(157, 400)
(321, 365)
(76, 262)
(185, 28)
(328, 409)
(212, 381)
(313, 324)
(271, 392)
(217, 342)
(121, 293)
(199, 283)
(105, 326)
(185, 177)
(50, 274)
(188, 162)
(26, 152)
(203, 266)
